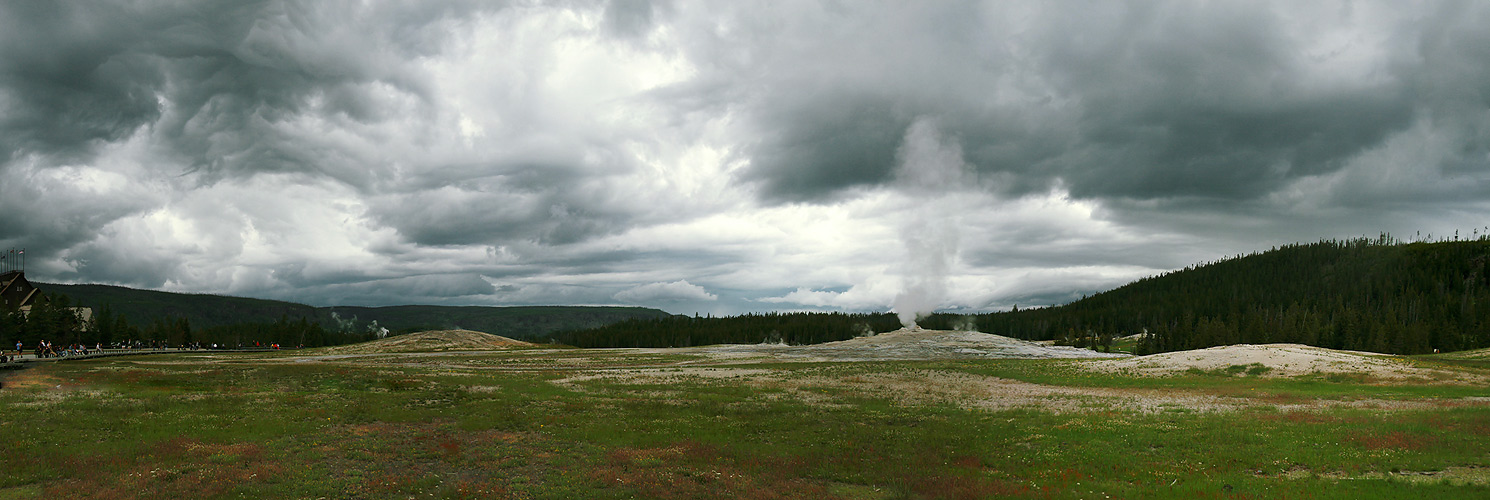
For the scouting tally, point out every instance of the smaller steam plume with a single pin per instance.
(929, 168)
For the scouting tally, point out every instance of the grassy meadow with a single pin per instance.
(612, 424)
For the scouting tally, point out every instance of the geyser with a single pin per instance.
(929, 166)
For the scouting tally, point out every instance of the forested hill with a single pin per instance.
(683, 331)
(1371, 295)
(146, 308)
(142, 307)
(527, 322)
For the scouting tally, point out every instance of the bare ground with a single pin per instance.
(1285, 360)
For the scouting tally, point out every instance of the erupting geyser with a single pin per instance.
(929, 168)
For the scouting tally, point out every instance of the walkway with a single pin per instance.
(95, 353)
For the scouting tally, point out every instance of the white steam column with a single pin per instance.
(930, 169)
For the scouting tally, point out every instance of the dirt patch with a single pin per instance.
(439, 340)
(29, 379)
(1279, 360)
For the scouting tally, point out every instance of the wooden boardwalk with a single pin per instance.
(30, 357)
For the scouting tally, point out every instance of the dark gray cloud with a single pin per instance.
(1144, 101)
(66, 80)
(824, 146)
(1212, 101)
(548, 203)
(102, 263)
(243, 76)
(629, 18)
(418, 289)
(457, 216)
(213, 80)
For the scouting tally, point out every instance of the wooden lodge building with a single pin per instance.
(19, 295)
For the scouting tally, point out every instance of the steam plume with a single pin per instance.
(930, 167)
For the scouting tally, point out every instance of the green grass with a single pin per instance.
(122, 428)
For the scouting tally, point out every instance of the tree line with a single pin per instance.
(56, 320)
(1377, 295)
(685, 331)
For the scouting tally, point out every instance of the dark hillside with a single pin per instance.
(1373, 295)
(223, 313)
(516, 322)
(201, 311)
(684, 331)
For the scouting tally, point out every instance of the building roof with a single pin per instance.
(16, 292)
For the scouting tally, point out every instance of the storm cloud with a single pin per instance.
(720, 156)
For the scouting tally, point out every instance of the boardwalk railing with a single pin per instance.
(30, 357)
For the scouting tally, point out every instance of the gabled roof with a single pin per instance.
(16, 291)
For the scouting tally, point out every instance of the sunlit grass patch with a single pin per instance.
(23, 492)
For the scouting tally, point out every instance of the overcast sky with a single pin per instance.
(724, 156)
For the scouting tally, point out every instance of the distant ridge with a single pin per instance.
(202, 310)
(522, 322)
(141, 307)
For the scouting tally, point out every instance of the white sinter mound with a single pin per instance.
(1282, 360)
(440, 340)
(913, 344)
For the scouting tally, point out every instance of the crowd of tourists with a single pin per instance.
(45, 348)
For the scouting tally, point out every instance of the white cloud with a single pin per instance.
(676, 291)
